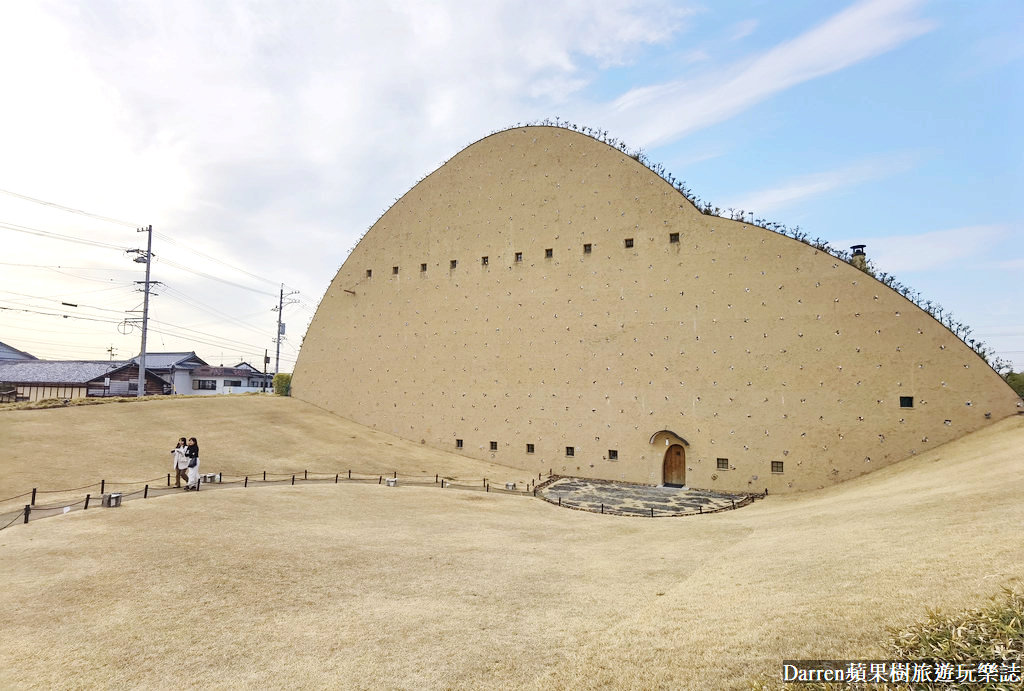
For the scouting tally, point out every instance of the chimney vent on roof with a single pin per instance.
(859, 259)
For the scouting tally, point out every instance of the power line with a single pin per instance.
(210, 276)
(60, 314)
(189, 301)
(58, 236)
(68, 208)
(171, 240)
(60, 267)
(63, 302)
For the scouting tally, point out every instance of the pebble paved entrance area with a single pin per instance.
(636, 500)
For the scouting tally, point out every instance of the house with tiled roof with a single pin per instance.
(240, 379)
(34, 380)
(176, 368)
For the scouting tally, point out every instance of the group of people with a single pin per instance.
(185, 459)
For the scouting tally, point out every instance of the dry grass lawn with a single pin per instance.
(365, 586)
(70, 447)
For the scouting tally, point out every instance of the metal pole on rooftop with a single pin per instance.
(145, 310)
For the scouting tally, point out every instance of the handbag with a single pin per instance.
(193, 463)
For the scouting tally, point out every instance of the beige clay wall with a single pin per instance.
(38, 392)
(749, 345)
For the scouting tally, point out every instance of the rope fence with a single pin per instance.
(161, 485)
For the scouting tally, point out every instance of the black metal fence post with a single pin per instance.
(264, 476)
(652, 512)
(336, 477)
(602, 508)
(103, 485)
(293, 479)
(145, 492)
(168, 479)
(305, 474)
(559, 501)
(435, 478)
(33, 496)
(349, 474)
(246, 483)
(28, 510)
(86, 507)
(380, 479)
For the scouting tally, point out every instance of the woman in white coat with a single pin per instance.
(179, 462)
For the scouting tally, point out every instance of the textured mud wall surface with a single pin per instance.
(751, 346)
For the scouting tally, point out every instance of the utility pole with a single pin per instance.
(280, 326)
(113, 351)
(145, 310)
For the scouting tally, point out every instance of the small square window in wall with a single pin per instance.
(570, 451)
(423, 268)
(458, 443)
(613, 454)
(494, 446)
(776, 466)
(723, 464)
(588, 248)
(629, 243)
(453, 263)
(673, 237)
(394, 270)
(548, 253)
(483, 260)
(519, 256)
(906, 401)
(369, 273)
(529, 448)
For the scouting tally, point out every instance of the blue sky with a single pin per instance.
(269, 136)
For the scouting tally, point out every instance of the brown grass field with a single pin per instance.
(365, 586)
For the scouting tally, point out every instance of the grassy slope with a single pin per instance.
(368, 586)
(69, 447)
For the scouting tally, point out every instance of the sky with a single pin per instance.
(261, 139)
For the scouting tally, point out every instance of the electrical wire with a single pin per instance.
(59, 236)
(182, 267)
(171, 240)
(68, 208)
(58, 314)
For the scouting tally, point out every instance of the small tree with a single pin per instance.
(283, 384)
(1016, 382)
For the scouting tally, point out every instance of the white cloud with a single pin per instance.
(798, 189)
(272, 134)
(653, 115)
(743, 29)
(940, 248)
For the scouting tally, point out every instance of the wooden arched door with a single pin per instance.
(675, 466)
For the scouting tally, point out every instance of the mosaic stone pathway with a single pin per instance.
(636, 500)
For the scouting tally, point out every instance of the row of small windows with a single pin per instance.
(613, 455)
(548, 254)
(570, 451)
(723, 464)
